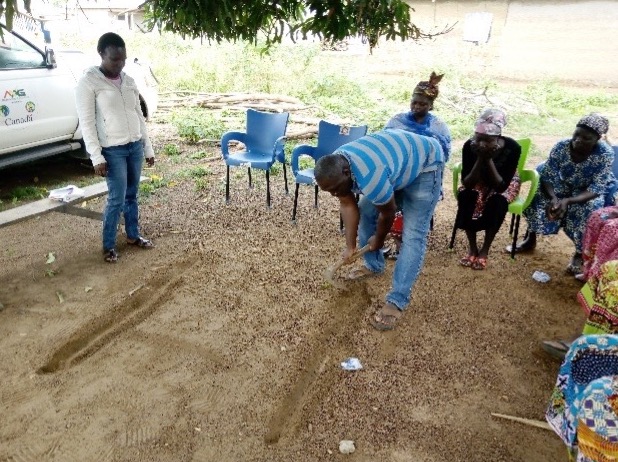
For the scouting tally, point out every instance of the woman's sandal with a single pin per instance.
(467, 261)
(358, 274)
(110, 256)
(142, 243)
(556, 348)
(383, 320)
(480, 263)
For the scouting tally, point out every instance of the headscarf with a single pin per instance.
(490, 122)
(595, 122)
(429, 88)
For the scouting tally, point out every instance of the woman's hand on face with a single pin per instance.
(101, 169)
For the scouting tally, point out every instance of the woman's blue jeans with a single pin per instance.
(124, 167)
(417, 202)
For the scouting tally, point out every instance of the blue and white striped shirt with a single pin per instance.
(384, 162)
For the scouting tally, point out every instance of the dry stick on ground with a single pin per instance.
(529, 422)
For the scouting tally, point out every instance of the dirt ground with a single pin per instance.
(224, 343)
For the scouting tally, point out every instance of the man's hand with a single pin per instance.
(101, 169)
(374, 243)
(347, 254)
(150, 161)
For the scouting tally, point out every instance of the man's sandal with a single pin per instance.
(386, 320)
(110, 256)
(467, 261)
(142, 243)
(480, 263)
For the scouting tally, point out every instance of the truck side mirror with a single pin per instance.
(50, 58)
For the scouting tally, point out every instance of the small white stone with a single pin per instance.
(346, 447)
(283, 348)
(329, 451)
(198, 429)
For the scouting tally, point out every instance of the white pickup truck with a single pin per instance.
(38, 117)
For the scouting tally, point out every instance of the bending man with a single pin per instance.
(391, 169)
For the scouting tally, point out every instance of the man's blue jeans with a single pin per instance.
(124, 166)
(417, 202)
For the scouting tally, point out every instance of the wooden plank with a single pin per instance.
(43, 206)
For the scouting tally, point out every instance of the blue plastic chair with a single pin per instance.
(264, 141)
(330, 137)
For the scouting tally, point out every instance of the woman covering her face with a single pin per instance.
(489, 184)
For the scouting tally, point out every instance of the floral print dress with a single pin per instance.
(570, 179)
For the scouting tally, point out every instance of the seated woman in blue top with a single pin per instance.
(419, 120)
(573, 184)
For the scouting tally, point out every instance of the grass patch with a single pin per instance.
(171, 150)
(147, 188)
(27, 193)
(198, 124)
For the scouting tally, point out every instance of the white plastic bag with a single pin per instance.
(66, 194)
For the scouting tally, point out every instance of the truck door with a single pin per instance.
(37, 101)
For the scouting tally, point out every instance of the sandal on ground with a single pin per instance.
(575, 266)
(520, 248)
(142, 243)
(360, 273)
(480, 263)
(386, 318)
(467, 261)
(580, 277)
(110, 256)
(556, 348)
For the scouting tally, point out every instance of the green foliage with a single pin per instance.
(147, 188)
(171, 150)
(22, 193)
(198, 124)
(230, 20)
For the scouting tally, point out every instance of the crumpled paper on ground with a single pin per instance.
(66, 194)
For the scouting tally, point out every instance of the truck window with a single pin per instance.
(16, 53)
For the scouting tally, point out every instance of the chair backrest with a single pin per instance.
(332, 136)
(525, 148)
(263, 130)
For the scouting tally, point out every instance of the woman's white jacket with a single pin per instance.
(108, 115)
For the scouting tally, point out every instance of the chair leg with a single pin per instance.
(316, 196)
(250, 183)
(268, 188)
(515, 236)
(453, 234)
(285, 178)
(512, 224)
(295, 203)
(227, 185)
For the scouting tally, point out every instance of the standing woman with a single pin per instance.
(489, 184)
(573, 184)
(419, 120)
(115, 135)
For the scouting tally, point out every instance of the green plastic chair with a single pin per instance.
(517, 207)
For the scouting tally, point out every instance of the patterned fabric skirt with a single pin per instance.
(583, 409)
(482, 208)
(599, 300)
(600, 243)
(511, 193)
